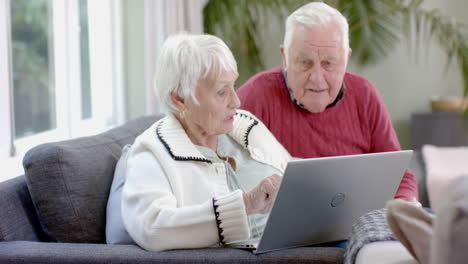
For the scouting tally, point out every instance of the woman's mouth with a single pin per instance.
(230, 118)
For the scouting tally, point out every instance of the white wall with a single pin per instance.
(406, 84)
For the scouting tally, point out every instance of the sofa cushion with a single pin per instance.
(69, 181)
(115, 228)
(443, 164)
(34, 252)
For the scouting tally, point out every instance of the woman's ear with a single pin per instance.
(178, 101)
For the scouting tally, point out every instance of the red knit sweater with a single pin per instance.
(358, 124)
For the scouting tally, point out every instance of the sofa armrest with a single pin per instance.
(384, 252)
(18, 218)
(418, 168)
(76, 253)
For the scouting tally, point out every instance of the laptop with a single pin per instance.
(319, 199)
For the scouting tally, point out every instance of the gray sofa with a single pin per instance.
(443, 129)
(55, 213)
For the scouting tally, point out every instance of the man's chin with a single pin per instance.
(315, 108)
(316, 111)
(314, 105)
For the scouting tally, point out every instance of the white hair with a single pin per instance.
(183, 61)
(312, 15)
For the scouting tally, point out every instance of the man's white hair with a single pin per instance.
(183, 61)
(312, 15)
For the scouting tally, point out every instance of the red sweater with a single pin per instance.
(358, 124)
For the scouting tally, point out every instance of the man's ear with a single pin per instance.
(350, 51)
(283, 57)
(178, 101)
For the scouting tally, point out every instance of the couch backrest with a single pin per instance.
(18, 219)
(69, 181)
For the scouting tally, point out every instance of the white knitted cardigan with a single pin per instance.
(176, 198)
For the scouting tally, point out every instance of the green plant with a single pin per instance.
(376, 26)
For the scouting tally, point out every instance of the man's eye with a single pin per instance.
(327, 64)
(305, 64)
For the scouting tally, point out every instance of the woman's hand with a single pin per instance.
(260, 199)
(412, 200)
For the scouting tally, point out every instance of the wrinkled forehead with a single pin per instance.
(309, 47)
(319, 36)
(317, 51)
(323, 44)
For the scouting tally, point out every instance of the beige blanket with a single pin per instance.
(440, 238)
(412, 225)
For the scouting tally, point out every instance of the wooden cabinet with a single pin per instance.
(439, 128)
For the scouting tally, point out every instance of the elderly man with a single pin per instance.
(312, 105)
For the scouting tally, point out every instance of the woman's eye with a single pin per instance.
(222, 92)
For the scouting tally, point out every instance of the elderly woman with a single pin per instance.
(207, 173)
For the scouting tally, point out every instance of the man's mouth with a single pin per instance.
(317, 90)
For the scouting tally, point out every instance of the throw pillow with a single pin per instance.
(443, 164)
(115, 229)
(69, 181)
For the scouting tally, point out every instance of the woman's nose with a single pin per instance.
(234, 99)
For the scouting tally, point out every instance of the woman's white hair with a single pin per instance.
(312, 15)
(183, 61)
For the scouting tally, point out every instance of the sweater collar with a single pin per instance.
(180, 147)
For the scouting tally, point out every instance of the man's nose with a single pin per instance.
(316, 75)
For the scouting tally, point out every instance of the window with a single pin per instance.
(32, 62)
(63, 72)
(86, 105)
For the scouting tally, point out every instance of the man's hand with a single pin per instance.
(260, 199)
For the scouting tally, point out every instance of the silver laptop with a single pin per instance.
(319, 199)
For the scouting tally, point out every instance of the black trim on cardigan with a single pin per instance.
(218, 222)
(247, 132)
(179, 158)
